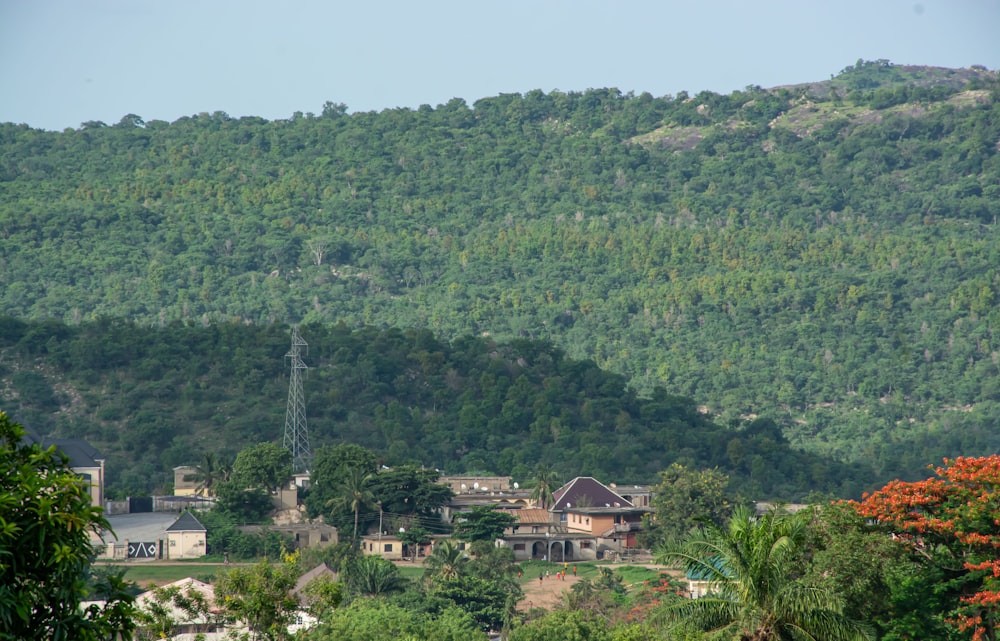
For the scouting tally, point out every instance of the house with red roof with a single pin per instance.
(587, 521)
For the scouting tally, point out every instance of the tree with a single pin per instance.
(865, 567)
(486, 601)
(266, 466)
(954, 514)
(751, 564)
(413, 537)
(409, 491)
(322, 596)
(381, 620)
(156, 617)
(545, 480)
(243, 505)
(259, 596)
(354, 495)
(494, 563)
(373, 576)
(564, 625)
(446, 561)
(684, 499)
(207, 475)
(331, 467)
(46, 518)
(483, 523)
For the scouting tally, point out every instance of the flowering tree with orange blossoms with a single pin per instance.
(959, 511)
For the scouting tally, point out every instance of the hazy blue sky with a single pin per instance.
(63, 62)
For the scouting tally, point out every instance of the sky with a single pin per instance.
(65, 62)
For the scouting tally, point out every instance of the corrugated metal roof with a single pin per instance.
(530, 516)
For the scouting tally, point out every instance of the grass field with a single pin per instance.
(144, 574)
(160, 574)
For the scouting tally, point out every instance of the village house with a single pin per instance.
(587, 521)
(391, 546)
(184, 483)
(584, 505)
(186, 538)
(85, 461)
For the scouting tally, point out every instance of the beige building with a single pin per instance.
(477, 484)
(182, 487)
(186, 538)
(84, 460)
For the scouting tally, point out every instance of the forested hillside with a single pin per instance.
(154, 398)
(824, 255)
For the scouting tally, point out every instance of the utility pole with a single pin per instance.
(380, 527)
(296, 437)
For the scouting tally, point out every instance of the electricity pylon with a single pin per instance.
(296, 438)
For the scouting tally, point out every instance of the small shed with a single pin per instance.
(186, 538)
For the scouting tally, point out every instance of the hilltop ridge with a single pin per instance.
(825, 261)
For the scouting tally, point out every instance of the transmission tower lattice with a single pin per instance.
(296, 438)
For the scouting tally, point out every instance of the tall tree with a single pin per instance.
(483, 523)
(752, 566)
(955, 513)
(409, 491)
(354, 495)
(545, 481)
(332, 465)
(46, 520)
(259, 597)
(684, 498)
(207, 475)
(266, 466)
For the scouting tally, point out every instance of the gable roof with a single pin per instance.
(187, 523)
(79, 452)
(586, 491)
(147, 599)
(318, 571)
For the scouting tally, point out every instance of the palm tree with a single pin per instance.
(207, 475)
(354, 495)
(446, 561)
(754, 595)
(545, 479)
(373, 576)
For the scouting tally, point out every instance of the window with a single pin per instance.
(585, 545)
(588, 520)
(519, 547)
(388, 547)
(562, 517)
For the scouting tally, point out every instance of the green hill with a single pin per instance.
(154, 398)
(821, 255)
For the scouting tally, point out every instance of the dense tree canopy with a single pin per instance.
(820, 254)
(394, 398)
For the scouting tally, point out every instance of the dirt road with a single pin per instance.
(546, 593)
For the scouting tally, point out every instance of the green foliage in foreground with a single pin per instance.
(751, 565)
(46, 519)
(153, 398)
(378, 620)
